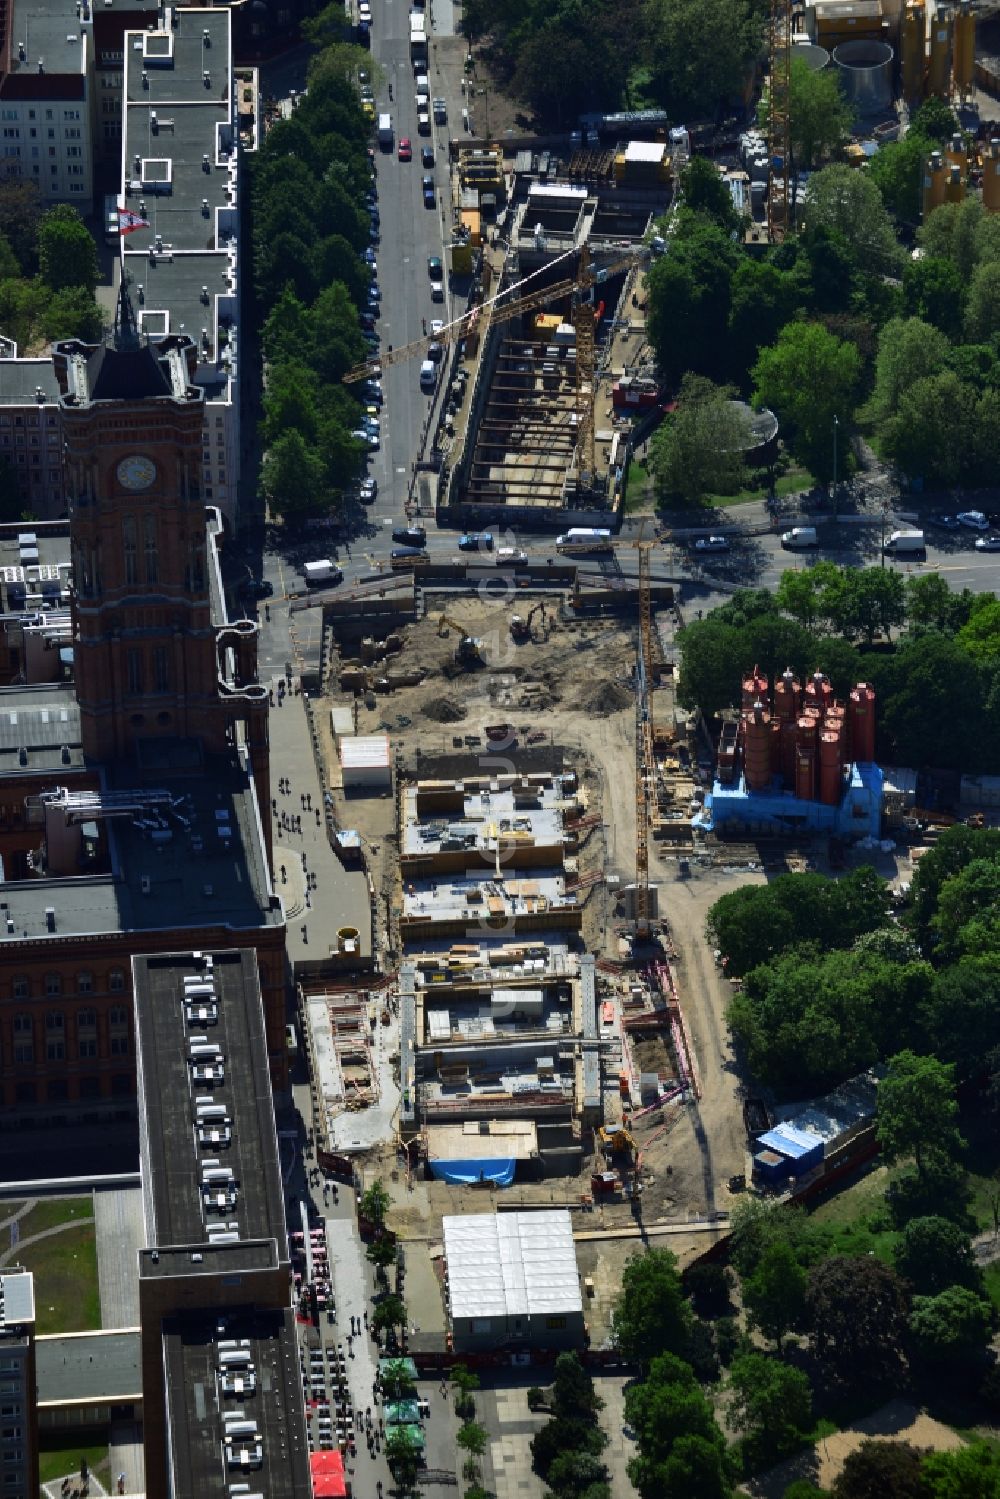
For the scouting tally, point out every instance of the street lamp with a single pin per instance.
(836, 424)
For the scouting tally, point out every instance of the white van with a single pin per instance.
(798, 537)
(385, 132)
(584, 538)
(423, 88)
(428, 374)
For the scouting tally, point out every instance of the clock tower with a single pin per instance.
(155, 657)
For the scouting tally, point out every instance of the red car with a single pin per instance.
(405, 150)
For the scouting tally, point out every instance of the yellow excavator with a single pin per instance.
(520, 625)
(468, 651)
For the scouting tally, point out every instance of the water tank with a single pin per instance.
(954, 188)
(805, 735)
(939, 64)
(862, 721)
(754, 689)
(991, 177)
(819, 693)
(964, 50)
(789, 735)
(914, 46)
(829, 767)
(935, 180)
(774, 748)
(787, 695)
(805, 775)
(815, 57)
(757, 748)
(865, 72)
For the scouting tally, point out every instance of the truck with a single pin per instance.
(906, 543)
(798, 537)
(384, 132)
(418, 38)
(320, 572)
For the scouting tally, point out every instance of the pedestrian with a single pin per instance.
(366, 1316)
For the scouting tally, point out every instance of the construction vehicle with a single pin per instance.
(617, 1140)
(520, 625)
(468, 651)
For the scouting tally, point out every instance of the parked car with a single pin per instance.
(440, 109)
(367, 321)
(946, 522)
(427, 157)
(370, 258)
(975, 520)
(367, 491)
(371, 390)
(988, 543)
(256, 588)
(476, 541)
(437, 291)
(435, 267)
(430, 196)
(436, 326)
(410, 536)
(405, 149)
(711, 544)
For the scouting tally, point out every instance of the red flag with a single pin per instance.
(129, 222)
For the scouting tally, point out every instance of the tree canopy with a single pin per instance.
(807, 378)
(651, 1315)
(698, 449)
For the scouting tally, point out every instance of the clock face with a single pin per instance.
(136, 472)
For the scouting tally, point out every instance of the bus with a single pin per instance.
(583, 539)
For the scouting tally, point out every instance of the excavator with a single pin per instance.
(468, 651)
(615, 1141)
(520, 625)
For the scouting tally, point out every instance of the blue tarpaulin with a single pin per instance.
(465, 1173)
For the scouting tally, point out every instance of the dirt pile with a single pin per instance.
(604, 698)
(443, 710)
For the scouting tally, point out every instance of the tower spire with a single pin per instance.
(126, 334)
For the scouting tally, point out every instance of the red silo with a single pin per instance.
(789, 734)
(775, 746)
(754, 689)
(829, 767)
(819, 691)
(862, 722)
(757, 748)
(787, 695)
(805, 774)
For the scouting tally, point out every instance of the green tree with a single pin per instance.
(664, 1409)
(858, 1308)
(403, 1456)
(951, 231)
(820, 119)
(942, 1188)
(472, 1438)
(466, 1382)
(967, 920)
(381, 1253)
(67, 255)
(375, 1203)
(698, 450)
(696, 1468)
(932, 705)
(808, 378)
(932, 605)
(397, 1382)
(564, 1434)
(389, 1312)
(20, 211)
(758, 1224)
(917, 1109)
(758, 922)
(930, 440)
(952, 1328)
(880, 1470)
(933, 1254)
(775, 1294)
(689, 299)
(874, 603)
(969, 1472)
(651, 1315)
(847, 204)
(897, 172)
(771, 1405)
(934, 290)
(709, 1286)
(705, 192)
(573, 1392)
(982, 309)
(699, 50)
(292, 477)
(935, 121)
(73, 313)
(763, 298)
(578, 1475)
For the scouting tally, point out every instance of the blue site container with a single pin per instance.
(770, 1168)
(803, 1151)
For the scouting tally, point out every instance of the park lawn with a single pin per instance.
(857, 1219)
(53, 1211)
(795, 480)
(58, 1462)
(67, 1295)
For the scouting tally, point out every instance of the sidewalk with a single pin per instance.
(341, 895)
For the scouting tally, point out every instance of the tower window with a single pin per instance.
(149, 540)
(133, 661)
(129, 545)
(161, 669)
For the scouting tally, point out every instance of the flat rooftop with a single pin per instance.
(40, 721)
(511, 1264)
(172, 1158)
(478, 965)
(491, 819)
(201, 862)
(21, 380)
(88, 1366)
(515, 1139)
(174, 118)
(53, 35)
(504, 1015)
(277, 1455)
(489, 898)
(17, 1292)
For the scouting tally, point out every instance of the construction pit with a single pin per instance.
(564, 691)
